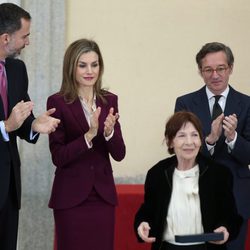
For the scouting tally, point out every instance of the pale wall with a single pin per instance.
(149, 49)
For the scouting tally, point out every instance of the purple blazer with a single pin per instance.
(78, 168)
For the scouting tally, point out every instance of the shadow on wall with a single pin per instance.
(138, 179)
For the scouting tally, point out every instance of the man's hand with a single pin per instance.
(229, 126)
(216, 130)
(18, 115)
(45, 124)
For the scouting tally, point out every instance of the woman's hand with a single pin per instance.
(110, 122)
(226, 235)
(94, 125)
(143, 232)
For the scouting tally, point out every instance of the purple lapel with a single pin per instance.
(78, 114)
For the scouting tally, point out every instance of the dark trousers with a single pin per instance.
(240, 241)
(9, 220)
(168, 246)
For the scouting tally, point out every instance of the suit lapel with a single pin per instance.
(78, 114)
(201, 109)
(232, 107)
(233, 103)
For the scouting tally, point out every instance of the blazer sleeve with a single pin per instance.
(116, 145)
(241, 150)
(18, 80)
(63, 150)
(146, 210)
(154, 207)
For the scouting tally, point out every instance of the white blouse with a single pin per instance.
(184, 214)
(87, 112)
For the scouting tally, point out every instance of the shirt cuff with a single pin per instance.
(210, 148)
(89, 144)
(3, 131)
(5, 135)
(33, 135)
(231, 143)
(107, 138)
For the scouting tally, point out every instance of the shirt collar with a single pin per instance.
(210, 94)
(188, 173)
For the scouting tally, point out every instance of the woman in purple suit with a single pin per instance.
(83, 195)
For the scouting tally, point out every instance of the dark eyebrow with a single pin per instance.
(85, 62)
(26, 35)
(220, 65)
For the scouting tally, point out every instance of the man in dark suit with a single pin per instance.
(16, 118)
(226, 123)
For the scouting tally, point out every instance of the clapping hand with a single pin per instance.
(45, 124)
(94, 125)
(216, 130)
(18, 115)
(229, 126)
(110, 121)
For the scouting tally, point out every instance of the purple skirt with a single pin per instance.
(89, 225)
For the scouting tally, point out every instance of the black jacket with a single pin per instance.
(17, 91)
(218, 206)
(238, 159)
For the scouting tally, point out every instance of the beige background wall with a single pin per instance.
(149, 49)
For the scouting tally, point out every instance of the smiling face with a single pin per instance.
(87, 70)
(186, 143)
(215, 71)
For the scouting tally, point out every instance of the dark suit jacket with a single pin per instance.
(17, 91)
(239, 159)
(217, 203)
(79, 168)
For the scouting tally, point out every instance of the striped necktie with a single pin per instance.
(3, 88)
(217, 110)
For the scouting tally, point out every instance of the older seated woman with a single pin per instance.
(186, 194)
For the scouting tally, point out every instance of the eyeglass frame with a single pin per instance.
(220, 70)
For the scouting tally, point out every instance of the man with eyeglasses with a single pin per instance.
(225, 116)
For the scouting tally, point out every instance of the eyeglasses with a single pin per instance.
(219, 70)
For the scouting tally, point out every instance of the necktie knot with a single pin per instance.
(217, 110)
(217, 98)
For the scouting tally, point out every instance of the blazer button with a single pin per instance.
(92, 167)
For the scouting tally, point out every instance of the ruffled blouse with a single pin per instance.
(184, 214)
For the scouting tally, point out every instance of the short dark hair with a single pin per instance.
(10, 17)
(174, 124)
(214, 47)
